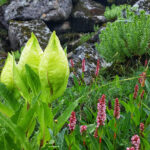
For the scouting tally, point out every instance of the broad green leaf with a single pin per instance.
(7, 72)
(8, 96)
(108, 143)
(33, 80)
(5, 110)
(93, 142)
(66, 114)
(20, 83)
(53, 70)
(44, 119)
(16, 131)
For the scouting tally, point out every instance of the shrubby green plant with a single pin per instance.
(125, 38)
(115, 11)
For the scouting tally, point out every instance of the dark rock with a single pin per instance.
(20, 32)
(75, 1)
(4, 42)
(95, 37)
(87, 52)
(143, 5)
(62, 27)
(47, 10)
(2, 19)
(86, 14)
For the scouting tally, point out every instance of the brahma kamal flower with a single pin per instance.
(7, 72)
(30, 55)
(53, 70)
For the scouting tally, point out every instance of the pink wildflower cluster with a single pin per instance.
(117, 109)
(72, 121)
(136, 141)
(83, 129)
(136, 89)
(101, 115)
(97, 68)
(142, 79)
(130, 148)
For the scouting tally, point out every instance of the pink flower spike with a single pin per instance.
(145, 62)
(142, 94)
(136, 141)
(130, 148)
(141, 127)
(101, 114)
(97, 68)
(72, 121)
(136, 88)
(72, 63)
(117, 109)
(83, 65)
(83, 129)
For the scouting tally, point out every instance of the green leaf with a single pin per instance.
(66, 114)
(93, 142)
(108, 143)
(7, 95)
(15, 130)
(5, 110)
(20, 83)
(33, 80)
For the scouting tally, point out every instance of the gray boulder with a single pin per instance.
(143, 5)
(47, 10)
(20, 31)
(86, 14)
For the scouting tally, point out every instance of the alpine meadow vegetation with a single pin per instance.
(39, 112)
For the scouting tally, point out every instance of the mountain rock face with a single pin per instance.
(20, 31)
(47, 10)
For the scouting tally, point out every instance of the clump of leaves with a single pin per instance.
(125, 38)
(115, 11)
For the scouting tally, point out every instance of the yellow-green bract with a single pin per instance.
(31, 55)
(7, 72)
(53, 70)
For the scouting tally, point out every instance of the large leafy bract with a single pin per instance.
(7, 72)
(53, 70)
(31, 55)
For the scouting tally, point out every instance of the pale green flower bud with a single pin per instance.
(31, 55)
(7, 72)
(53, 70)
